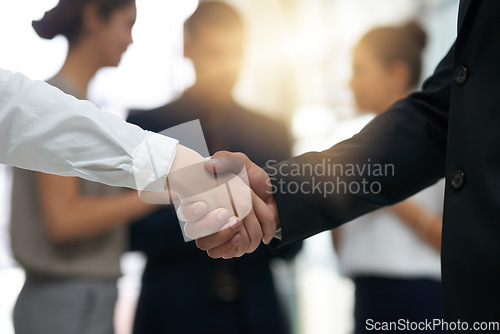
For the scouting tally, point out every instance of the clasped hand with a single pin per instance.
(225, 201)
(245, 234)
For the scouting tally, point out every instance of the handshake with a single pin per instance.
(226, 202)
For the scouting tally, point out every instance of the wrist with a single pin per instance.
(184, 157)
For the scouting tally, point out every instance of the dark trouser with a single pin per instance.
(385, 300)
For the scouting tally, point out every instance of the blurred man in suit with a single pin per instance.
(183, 290)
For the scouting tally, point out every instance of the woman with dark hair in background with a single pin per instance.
(66, 232)
(392, 254)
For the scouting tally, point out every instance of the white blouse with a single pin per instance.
(379, 243)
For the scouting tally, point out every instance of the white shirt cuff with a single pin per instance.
(153, 160)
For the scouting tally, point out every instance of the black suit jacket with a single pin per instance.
(179, 280)
(451, 128)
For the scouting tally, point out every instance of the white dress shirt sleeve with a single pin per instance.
(43, 129)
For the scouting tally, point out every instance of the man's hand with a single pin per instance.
(226, 193)
(260, 223)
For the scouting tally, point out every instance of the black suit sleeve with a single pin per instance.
(277, 149)
(399, 153)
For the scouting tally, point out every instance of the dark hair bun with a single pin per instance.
(49, 26)
(65, 18)
(415, 31)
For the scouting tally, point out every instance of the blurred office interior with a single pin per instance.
(297, 68)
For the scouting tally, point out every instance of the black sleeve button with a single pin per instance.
(460, 75)
(457, 179)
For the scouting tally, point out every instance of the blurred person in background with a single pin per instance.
(67, 232)
(392, 254)
(183, 290)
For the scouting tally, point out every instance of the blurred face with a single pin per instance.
(372, 81)
(216, 54)
(114, 34)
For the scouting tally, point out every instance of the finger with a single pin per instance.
(227, 250)
(225, 161)
(254, 231)
(234, 253)
(220, 238)
(241, 196)
(244, 241)
(247, 240)
(240, 164)
(209, 224)
(192, 212)
(266, 218)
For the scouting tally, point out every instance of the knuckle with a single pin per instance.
(201, 244)
(222, 153)
(181, 213)
(213, 255)
(240, 154)
(190, 231)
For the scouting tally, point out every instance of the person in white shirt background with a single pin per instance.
(392, 254)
